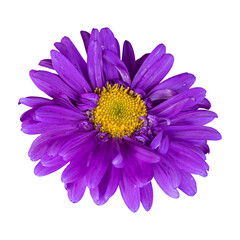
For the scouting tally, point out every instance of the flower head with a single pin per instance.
(116, 123)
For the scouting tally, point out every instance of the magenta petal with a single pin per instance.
(146, 196)
(69, 73)
(76, 189)
(153, 57)
(130, 193)
(188, 184)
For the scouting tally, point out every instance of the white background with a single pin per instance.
(204, 38)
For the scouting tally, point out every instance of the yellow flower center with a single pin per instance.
(118, 111)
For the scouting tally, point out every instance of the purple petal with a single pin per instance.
(107, 186)
(140, 173)
(186, 132)
(178, 83)
(99, 162)
(162, 94)
(57, 115)
(140, 61)
(163, 181)
(156, 73)
(153, 57)
(141, 152)
(128, 58)
(85, 36)
(41, 170)
(130, 193)
(51, 84)
(74, 56)
(51, 161)
(46, 63)
(163, 148)
(195, 117)
(187, 160)
(35, 101)
(188, 184)
(113, 59)
(146, 196)
(76, 189)
(95, 64)
(156, 141)
(193, 95)
(69, 73)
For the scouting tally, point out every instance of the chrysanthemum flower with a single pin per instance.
(115, 123)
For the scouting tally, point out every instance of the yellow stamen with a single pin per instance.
(118, 111)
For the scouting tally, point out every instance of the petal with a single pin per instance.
(107, 186)
(35, 101)
(140, 61)
(41, 170)
(76, 189)
(99, 162)
(129, 192)
(141, 152)
(113, 59)
(186, 132)
(156, 141)
(128, 58)
(153, 57)
(188, 184)
(95, 64)
(163, 181)
(193, 95)
(46, 63)
(146, 196)
(58, 115)
(156, 72)
(51, 84)
(178, 83)
(195, 117)
(163, 148)
(187, 160)
(69, 73)
(85, 36)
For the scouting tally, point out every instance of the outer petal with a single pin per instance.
(178, 83)
(69, 73)
(95, 64)
(146, 196)
(41, 170)
(51, 84)
(156, 73)
(188, 132)
(153, 57)
(76, 189)
(99, 162)
(46, 63)
(188, 184)
(128, 58)
(129, 192)
(85, 36)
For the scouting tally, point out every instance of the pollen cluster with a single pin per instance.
(118, 111)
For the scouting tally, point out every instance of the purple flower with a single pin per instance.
(115, 123)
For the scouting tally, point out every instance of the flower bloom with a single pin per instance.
(116, 123)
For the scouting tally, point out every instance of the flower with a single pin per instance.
(116, 123)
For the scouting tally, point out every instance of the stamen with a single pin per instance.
(118, 111)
